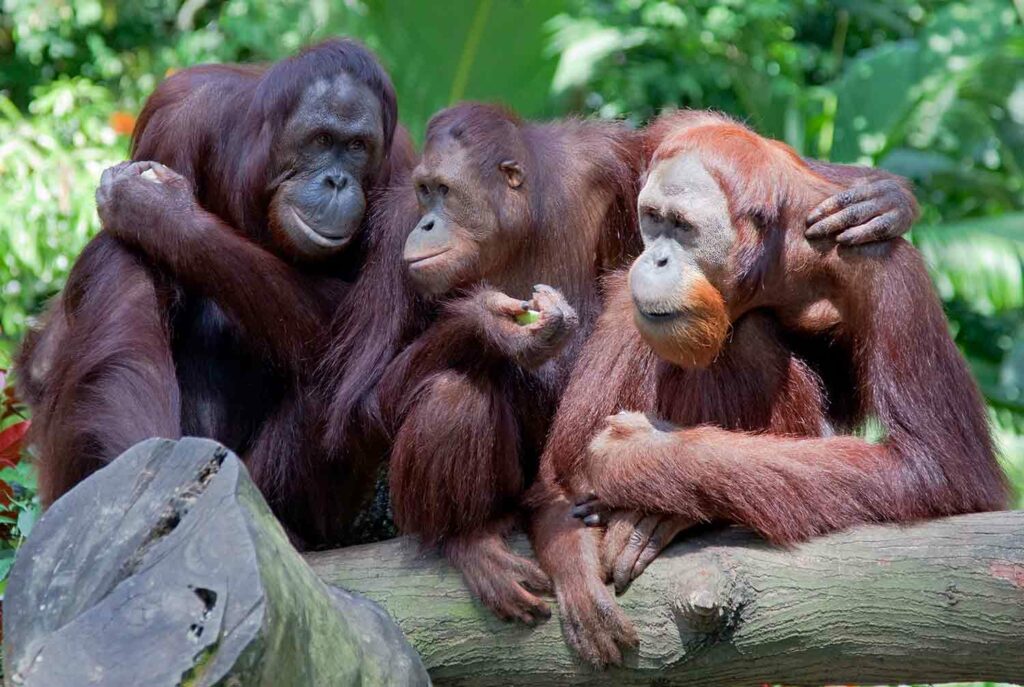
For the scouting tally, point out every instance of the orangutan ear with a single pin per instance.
(513, 172)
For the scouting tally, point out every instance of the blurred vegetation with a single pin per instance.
(928, 89)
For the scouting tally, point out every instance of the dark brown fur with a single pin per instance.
(466, 413)
(226, 346)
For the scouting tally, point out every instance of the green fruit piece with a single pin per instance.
(528, 317)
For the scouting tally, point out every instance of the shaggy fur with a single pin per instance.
(822, 339)
(463, 409)
(221, 338)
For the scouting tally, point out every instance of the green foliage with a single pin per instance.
(21, 517)
(491, 50)
(929, 90)
(943, 108)
(19, 506)
(50, 160)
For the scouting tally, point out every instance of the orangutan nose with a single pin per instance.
(336, 182)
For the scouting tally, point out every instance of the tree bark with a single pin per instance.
(167, 568)
(936, 602)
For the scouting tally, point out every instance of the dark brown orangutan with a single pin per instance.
(728, 369)
(496, 210)
(498, 205)
(203, 306)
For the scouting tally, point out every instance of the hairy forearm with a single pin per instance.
(564, 547)
(275, 305)
(787, 489)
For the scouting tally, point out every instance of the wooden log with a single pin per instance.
(167, 568)
(936, 602)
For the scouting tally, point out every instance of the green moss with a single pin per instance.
(202, 661)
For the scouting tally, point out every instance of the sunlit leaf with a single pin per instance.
(582, 45)
(907, 88)
(981, 261)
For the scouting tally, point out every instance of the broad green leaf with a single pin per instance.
(887, 92)
(440, 53)
(582, 45)
(23, 474)
(875, 94)
(27, 520)
(6, 561)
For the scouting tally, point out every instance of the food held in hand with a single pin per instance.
(528, 317)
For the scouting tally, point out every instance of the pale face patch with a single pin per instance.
(679, 283)
(682, 202)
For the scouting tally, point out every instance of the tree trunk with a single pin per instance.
(167, 568)
(937, 602)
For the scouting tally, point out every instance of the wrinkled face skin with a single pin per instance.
(679, 283)
(331, 148)
(462, 234)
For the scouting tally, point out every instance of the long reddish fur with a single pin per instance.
(752, 438)
(469, 423)
(462, 422)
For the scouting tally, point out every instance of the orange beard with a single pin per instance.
(694, 338)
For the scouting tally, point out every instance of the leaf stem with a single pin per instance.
(469, 51)
(839, 39)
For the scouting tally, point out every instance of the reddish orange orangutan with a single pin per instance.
(728, 372)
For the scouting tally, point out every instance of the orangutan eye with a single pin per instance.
(423, 190)
(442, 189)
(324, 139)
(357, 144)
(652, 214)
(681, 224)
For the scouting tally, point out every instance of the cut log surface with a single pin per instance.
(936, 602)
(167, 568)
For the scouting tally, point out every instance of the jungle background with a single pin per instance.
(933, 90)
